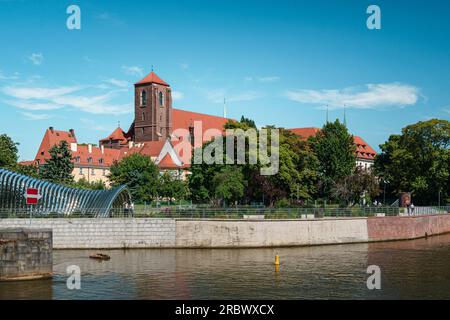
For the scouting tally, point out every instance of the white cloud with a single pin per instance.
(32, 105)
(248, 78)
(133, 70)
(269, 79)
(36, 116)
(177, 95)
(184, 66)
(447, 109)
(118, 83)
(38, 98)
(36, 58)
(37, 92)
(370, 96)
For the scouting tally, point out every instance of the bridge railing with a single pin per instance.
(229, 213)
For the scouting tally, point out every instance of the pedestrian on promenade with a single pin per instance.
(412, 208)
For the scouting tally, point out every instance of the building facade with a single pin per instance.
(154, 133)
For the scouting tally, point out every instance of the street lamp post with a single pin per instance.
(384, 191)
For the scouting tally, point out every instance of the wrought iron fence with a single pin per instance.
(191, 212)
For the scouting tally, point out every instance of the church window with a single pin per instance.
(161, 99)
(143, 98)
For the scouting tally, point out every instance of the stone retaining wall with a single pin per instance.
(25, 254)
(84, 233)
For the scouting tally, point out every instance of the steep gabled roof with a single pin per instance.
(152, 78)
(117, 134)
(363, 150)
(53, 137)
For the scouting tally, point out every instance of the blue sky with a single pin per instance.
(275, 62)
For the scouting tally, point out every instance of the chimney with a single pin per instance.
(90, 148)
(72, 132)
(51, 129)
(73, 147)
(103, 149)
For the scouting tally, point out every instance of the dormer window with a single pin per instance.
(89, 160)
(100, 160)
(143, 98)
(161, 99)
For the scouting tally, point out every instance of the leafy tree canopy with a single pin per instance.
(418, 161)
(335, 152)
(139, 173)
(8, 152)
(59, 167)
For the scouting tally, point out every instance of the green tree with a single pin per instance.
(418, 161)
(59, 167)
(8, 152)
(28, 170)
(83, 183)
(335, 152)
(229, 184)
(139, 173)
(172, 187)
(296, 178)
(362, 184)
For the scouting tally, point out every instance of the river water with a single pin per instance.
(417, 269)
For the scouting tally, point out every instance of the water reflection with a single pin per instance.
(410, 269)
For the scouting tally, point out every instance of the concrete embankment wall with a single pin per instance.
(25, 254)
(81, 233)
(103, 232)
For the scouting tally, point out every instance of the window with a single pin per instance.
(143, 116)
(100, 160)
(161, 99)
(93, 172)
(89, 160)
(81, 170)
(77, 159)
(104, 172)
(143, 98)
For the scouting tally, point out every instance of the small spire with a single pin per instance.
(224, 108)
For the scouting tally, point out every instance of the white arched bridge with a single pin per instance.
(57, 199)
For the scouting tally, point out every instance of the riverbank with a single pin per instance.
(122, 233)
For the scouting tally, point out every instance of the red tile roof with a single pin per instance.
(81, 156)
(152, 78)
(363, 150)
(185, 119)
(95, 158)
(305, 133)
(117, 134)
(53, 137)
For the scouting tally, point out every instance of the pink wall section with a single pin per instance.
(396, 228)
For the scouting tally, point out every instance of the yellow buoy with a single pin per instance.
(277, 260)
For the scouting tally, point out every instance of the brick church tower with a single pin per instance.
(152, 109)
